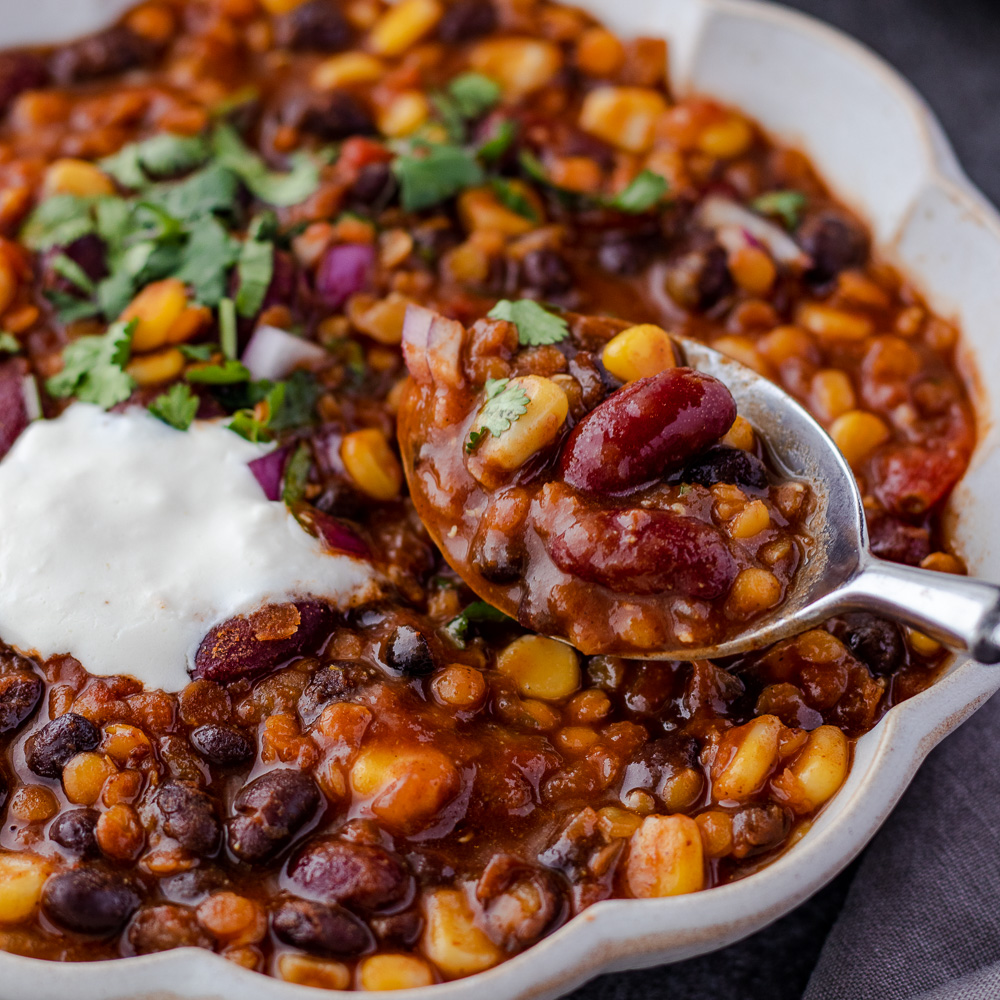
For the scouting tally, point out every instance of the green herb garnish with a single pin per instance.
(229, 372)
(270, 186)
(479, 611)
(504, 404)
(296, 475)
(511, 198)
(162, 156)
(504, 133)
(177, 406)
(786, 205)
(9, 344)
(94, 368)
(438, 173)
(535, 325)
(254, 269)
(644, 192)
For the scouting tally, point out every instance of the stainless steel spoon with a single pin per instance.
(839, 573)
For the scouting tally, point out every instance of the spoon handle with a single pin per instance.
(960, 612)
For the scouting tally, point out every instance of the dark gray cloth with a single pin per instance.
(921, 919)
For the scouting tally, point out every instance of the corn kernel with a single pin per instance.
(76, 177)
(371, 463)
(541, 667)
(380, 319)
(156, 308)
(84, 775)
(126, 745)
(716, 832)
(468, 263)
(33, 804)
(318, 972)
(599, 52)
(753, 270)
(451, 939)
(860, 290)
(160, 366)
(394, 972)
(478, 208)
(119, 833)
(821, 766)
(459, 686)
(857, 434)
(193, 320)
(740, 435)
(232, 918)
(943, 562)
(752, 520)
(785, 343)
(519, 65)
(346, 68)
(665, 857)
(638, 352)
(832, 394)
(727, 139)
(753, 590)
(616, 823)
(921, 644)
(403, 25)
(576, 173)
(742, 349)
(497, 456)
(625, 117)
(21, 879)
(830, 323)
(756, 754)
(404, 114)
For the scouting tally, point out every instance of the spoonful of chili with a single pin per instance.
(644, 495)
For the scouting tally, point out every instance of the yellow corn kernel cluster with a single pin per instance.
(394, 972)
(479, 209)
(541, 667)
(403, 25)
(820, 767)
(346, 68)
(159, 313)
(665, 857)
(371, 463)
(638, 352)
(404, 114)
(832, 394)
(451, 939)
(625, 117)
(755, 756)
(830, 323)
(858, 433)
(77, 177)
(752, 520)
(740, 435)
(21, 879)
(753, 590)
(160, 366)
(519, 65)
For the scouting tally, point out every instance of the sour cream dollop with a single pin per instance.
(123, 541)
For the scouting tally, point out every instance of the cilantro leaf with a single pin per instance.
(437, 175)
(474, 94)
(9, 344)
(478, 611)
(255, 270)
(211, 189)
(533, 167)
(297, 405)
(297, 475)
(246, 421)
(205, 261)
(270, 186)
(177, 406)
(787, 205)
(504, 404)
(644, 192)
(510, 197)
(58, 221)
(68, 268)
(229, 372)
(163, 155)
(94, 368)
(198, 352)
(535, 325)
(504, 132)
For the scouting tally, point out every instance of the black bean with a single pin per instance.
(316, 26)
(757, 829)
(108, 52)
(269, 812)
(375, 185)
(333, 116)
(330, 683)
(623, 256)
(321, 928)
(722, 464)
(498, 557)
(20, 694)
(874, 641)
(48, 750)
(20, 71)
(75, 832)
(189, 817)
(467, 19)
(546, 272)
(398, 930)
(699, 277)
(160, 928)
(89, 901)
(223, 745)
(359, 875)
(658, 761)
(408, 652)
(191, 887)
(835, 242)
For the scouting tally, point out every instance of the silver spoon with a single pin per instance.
(840, 573)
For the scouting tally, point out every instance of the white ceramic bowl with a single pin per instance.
(881, 150)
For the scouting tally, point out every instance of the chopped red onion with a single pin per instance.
(736, 226)
(344, 270)
(432, 347)
(273, 353)
(268, 470)
(338, 536)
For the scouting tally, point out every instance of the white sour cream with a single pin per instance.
(123, 541)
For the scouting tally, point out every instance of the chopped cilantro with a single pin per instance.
(248, 424)
(297, 405)
(504, 133)
(206, 259)
(270, 186)
(164, 155)
(533, 167)
(644, 192)
(254, 269)
(474, 94)
(297, 475)
(227, 327)
(94, 368)
(68, 268)
(510, 197)
(9, 344)
(177, 406)
(58, 221)
(786, 205)
(211, 189)
(479, 611)
(535, 325)
(198, 352)
(504, 404)
(229, 372)
(437, 174)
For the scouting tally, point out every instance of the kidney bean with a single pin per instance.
(834, 242)
(466, 20)
(398, 930)
(757, 829)
(722, 464)
(20, 71)
(89, 901)
(316, 26)
(189, 817)
(359, 875)
(876, 642)
(112, 51)
(48, 750)
(13, 412)
(20, 694)
(645, 552)
(321, 928)
(160, 928)
(270, 810)
(232, 651)
(226, 746)
(890, 538)
(408, 652)
(644, 430)
(74, 831)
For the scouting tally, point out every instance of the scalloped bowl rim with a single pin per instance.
(625, 933)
